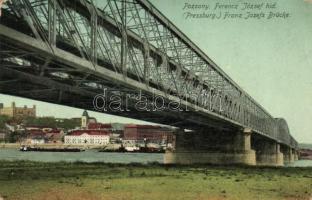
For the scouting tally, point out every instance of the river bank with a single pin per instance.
(77, 181)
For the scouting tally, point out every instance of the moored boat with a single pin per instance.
(25, 148)
(134, 150)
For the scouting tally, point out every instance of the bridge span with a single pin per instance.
(74, 53)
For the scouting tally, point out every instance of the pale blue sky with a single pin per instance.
(270, 59)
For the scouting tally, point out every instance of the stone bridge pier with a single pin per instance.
(268, 152)
(212, 147)
(227, 147)
(296, 155)
(290, 155)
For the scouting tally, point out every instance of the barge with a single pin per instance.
(24, 148)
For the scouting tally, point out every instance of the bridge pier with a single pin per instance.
(289, 155)
(212, 147)
(296, 157)
(268, 154)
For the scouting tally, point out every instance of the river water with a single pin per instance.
(94, 156)
(85, 156)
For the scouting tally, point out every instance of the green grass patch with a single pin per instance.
(74, 181)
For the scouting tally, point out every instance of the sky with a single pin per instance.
(271, 59)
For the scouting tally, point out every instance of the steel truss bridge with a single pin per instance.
(68, 51)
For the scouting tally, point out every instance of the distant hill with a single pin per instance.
(305, 146)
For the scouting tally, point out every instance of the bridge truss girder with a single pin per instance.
(130, 38)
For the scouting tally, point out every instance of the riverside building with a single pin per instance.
(87, 137)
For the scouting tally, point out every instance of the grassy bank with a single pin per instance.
(79, 181)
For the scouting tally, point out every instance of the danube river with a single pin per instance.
(85, 156)
(94, 156)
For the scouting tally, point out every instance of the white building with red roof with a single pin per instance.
(87, 137)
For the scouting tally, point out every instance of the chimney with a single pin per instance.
(13, 104)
